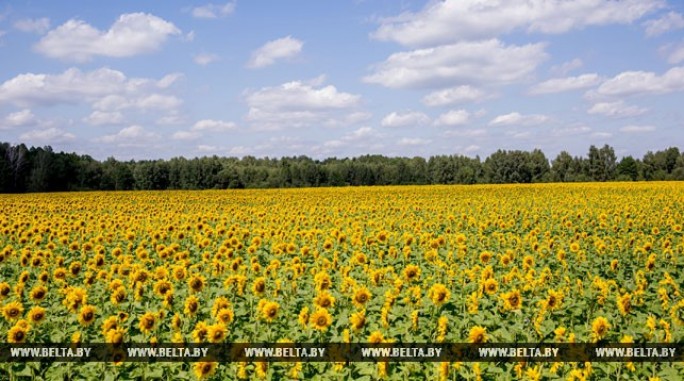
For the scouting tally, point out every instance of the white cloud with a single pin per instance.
(213, 11)
(39, 26)
(47, 136)
(20, 118)
(104, 89)
(269, 53)
(403, 119)
(463, 63)
(132, 136)
(601, 134)
(616, 109)
(101, 118)
(642, 82)
(207, 148)
(131, 34)
(465, 133)
(453, 118)
(637, 129)
(298, 104)
(213, 125)
(169, 80)
(666, 23)
(516, 118)
(676, 56)
(413, 142)
(185, 135)
(471, 148)
(558, 85)
(444, 22)
(567, 67)
(205, 59)
(572, 130)
(455, 95)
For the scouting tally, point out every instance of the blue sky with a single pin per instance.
(147, 80)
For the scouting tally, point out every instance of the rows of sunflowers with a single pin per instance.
(453, 264)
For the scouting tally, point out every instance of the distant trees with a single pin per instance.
(40, 169)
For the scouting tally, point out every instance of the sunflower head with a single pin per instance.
(321, 319)
(376, 337)
(324, 300)
(86, 316)
(191, 305)
(477, 335)
(147, 322)
(439, 294)
(12, 311)
(269, 310)
(411, 273)
(36, 314)
(216, 333)
(361, 296)
(599, 328)
(17, 334)
(358, 320)
(204, 369)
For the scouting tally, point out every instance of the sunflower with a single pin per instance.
(490, 286)
(322, 281)
(259, 286)
(199, 334)
(191, 305)
(303, 317)
(324, 300)
(512, 300)
(147, 322)
(5, 290)
(411, 273)
(38, 293)
(599, 328)
(204, 369)
(358, 320)
(376, 337)
(12, 311)
(361, 296)
(115, 336)
(17, 334)
(162, 287)
(553, 300)
(624, 303)
(196, 283)
(36, 314)
(439, 294)
(109, 324)
(216, 333)
(269, 310)
(477, 335)
(220, 303)
(321, 319)
(225, 316)
(485, 256)
(118, 356)
(86, 316)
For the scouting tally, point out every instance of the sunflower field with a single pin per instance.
(412, 264)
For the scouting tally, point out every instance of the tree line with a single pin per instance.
(40, 169)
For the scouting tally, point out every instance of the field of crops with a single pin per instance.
(553, 263)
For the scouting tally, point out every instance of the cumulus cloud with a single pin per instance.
(676, 55)
(213, 125)
(404, 119)
(104, 89)
(637, 129)
(186, 135)
(464, 63)
(413, 142)
(453, 118)
(455, 95)
(663, 24)
(205, 59)
(642, 82)
(102, 118)
(130, 35)
(47, 136)
(132, 136)
(269, 53)
(213, 11)
(567, 67)
(298, 104)
(558, 85)
(616, 109)
(19, 118)
(39, 26)
(445, 22)
(516, 118)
